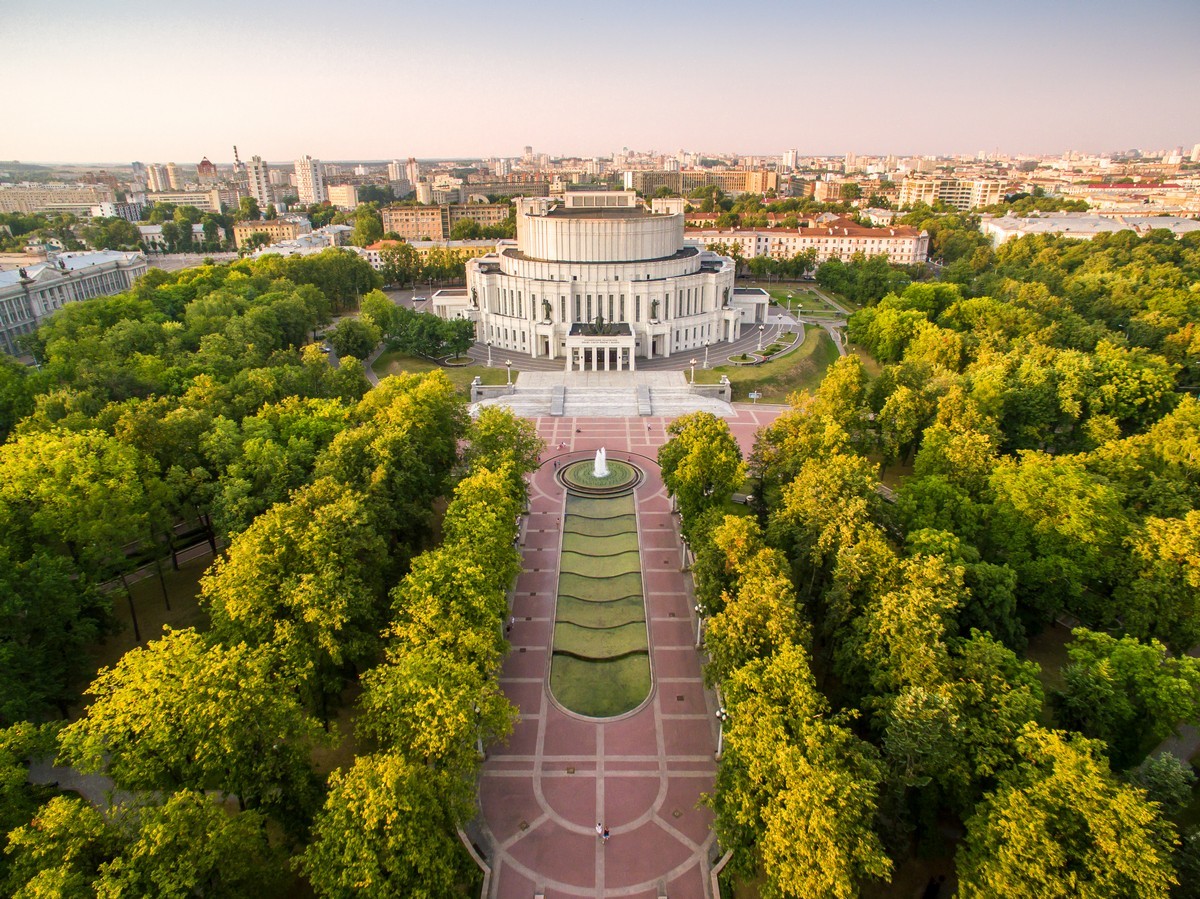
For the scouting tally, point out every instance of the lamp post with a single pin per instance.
(706, 354)
(508, 372)
(789, 304)
(761, 328)
(489, 345)
(700, 612)
(722, 716)
(693, 369)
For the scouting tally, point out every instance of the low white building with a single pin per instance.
(30, 294)
(1080, 225)
(839, 240)
(152, 236)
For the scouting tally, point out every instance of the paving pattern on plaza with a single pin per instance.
(642, 774)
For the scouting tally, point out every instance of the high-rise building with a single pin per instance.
(790, 159)
(173, 177)
(412, 171)
(156, 178)
(528, 154)
(360, 170)
(1196, 153)
(396, 171)
(310, 180)
(259, 176)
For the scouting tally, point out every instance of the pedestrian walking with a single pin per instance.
(604, 836)
(600, 830)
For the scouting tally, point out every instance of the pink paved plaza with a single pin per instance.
(641, 774)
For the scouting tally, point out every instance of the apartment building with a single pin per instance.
(54, 197)
(647, 183)
(258, 174)
(958, 192)
(414, 223)
(343, 196)
(276, 229)
(310, 180)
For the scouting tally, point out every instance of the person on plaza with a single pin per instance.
(600, 831)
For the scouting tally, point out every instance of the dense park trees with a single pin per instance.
(198, 398)
(1033, 416)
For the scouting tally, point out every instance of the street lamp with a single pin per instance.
(761, 328)
(508, 372)
(489, 344)
(722, 716)
(706, 354)
(700, 613)
(789, 304)
(693, 369)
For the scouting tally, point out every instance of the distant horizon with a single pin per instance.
(384, 160)
(566, 79)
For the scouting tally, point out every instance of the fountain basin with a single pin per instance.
(580, 477)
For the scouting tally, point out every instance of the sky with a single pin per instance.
(164, 81)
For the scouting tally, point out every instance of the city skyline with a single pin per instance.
(390, 83)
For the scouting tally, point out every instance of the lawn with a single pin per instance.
(801, 369)
(600, 665)
(393, 362)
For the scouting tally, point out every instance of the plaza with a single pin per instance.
(640, 773)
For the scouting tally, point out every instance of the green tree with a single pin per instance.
(701, 464)
(796, 790)
(1060, 825)
(189, 846)
(60, 852)
(247, 210)
(368, 226)
(356, 338)
(304, 581)
(1126, 692)
(386, 830)
(179, 713)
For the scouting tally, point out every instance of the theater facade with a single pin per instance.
(599, 281)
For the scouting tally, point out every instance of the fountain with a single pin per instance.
(600, 469)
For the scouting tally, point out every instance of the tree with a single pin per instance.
(1162, 597)
(378, 309)
(179, 713)
(1167, 781)
(458, 335)
(1126, 692)
(368, 226)
(353, 337)
(433, 709)
(48, 618)
(758, 619)
(247, 210)
(701, 464)
(1060, 825)
(60, 852)
(796, 790)
(497, 436)
(386, 830)
(82, 492)
(305, 582)
(189, 846)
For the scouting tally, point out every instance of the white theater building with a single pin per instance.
(599, 281)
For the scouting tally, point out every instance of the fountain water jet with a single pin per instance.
(600, 468)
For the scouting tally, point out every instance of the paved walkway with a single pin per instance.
(642, 774)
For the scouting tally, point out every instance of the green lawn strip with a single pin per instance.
(600, 663)
(602, 566)
(394, 362)
(599, 544)
(582, 528)
(600, 689)
(801, 369)
(588, 613)
(599, 642)
(600, 589)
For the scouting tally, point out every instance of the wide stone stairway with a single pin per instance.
(608, 395)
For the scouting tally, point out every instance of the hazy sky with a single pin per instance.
(167, 81)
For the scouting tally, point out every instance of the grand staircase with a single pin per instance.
(605, 395)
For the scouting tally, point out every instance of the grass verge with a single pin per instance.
(801, 369)
(394, 362)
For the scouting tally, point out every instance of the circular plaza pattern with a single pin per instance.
(581, 478)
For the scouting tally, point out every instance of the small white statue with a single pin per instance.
(600, 469)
